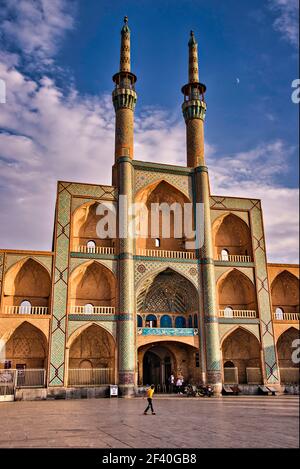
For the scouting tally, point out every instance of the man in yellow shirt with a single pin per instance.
(150, 392)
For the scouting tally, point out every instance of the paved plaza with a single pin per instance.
(235, 422)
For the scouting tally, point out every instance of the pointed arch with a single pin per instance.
(286, 346)
(27, 345)
(82, 328)
(92, 283)
(162, 192)
(236, 290)
(167, 291)
(94, 343)
(231, 233)
(84, 226)
(233, 329)
(285, 292)
(27, 279)
(241, 347)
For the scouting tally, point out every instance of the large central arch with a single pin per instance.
(168, 294)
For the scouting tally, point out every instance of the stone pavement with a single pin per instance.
(235, 422)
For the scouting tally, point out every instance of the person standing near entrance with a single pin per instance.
(150, 393)
(171, 383)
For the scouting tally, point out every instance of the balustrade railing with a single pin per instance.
(36, 310)
(167, 254)
(234, 258)
(281, 316)
(95, 250)
(89, 309)
(238, 313)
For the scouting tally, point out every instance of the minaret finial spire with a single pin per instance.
(125, 47)
(193, 59)
(124, 98)
(194, 109)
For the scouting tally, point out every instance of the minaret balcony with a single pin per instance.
(193, 109)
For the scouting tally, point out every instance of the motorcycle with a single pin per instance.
(204, 390)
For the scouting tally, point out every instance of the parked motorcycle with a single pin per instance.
(204, 390)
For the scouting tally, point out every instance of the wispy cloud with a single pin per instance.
(36, 27)
(287, 21)
(49, 134)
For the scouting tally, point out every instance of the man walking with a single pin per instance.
(150, 393)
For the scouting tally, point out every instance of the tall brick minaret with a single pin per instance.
(124, 100)
(194, 109)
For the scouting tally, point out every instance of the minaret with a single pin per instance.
(124, 99)
(194, 109)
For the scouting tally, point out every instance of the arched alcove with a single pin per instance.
(242, 349)
(92, 284)
(236, 291)
(27, 347)
(288, 353)
(84, 228)
(285, 292)
(27, 281)
(93, 344)
(163, 192)
(231, 235)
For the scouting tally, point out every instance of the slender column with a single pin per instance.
(124, 99)
(194, 109)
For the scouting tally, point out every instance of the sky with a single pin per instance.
(57, 58)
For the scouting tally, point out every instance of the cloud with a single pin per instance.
(36, 28)
(70, 137)
(49, 134)
(287, 21)
(235, 176)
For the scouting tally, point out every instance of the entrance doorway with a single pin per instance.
(158, 365)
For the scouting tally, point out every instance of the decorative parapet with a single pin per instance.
(175, 332)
